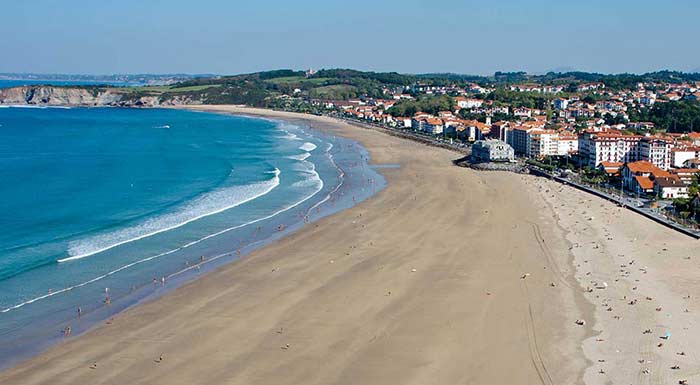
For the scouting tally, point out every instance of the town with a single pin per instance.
(587, 132)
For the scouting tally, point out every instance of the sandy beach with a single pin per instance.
(642, 278)
(446, 276)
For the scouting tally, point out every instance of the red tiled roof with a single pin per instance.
(672, 181)
(685, 170)
(644, 182)
(643, 167)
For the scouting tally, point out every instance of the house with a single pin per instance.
(526, 88)
(611, 169)
(469, 130)
(639, 176)
(433, 126)
(683, 154)
(468, 102)
(552, 89)
(646, 126)
(670, 187)
(560, 104)
(694, 137)
(492, 150)
(686, 175)
(523, 112)
(642, 185)
(589, 87)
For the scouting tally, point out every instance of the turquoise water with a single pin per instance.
(124, 204)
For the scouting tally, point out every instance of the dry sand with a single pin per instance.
(448, 276)
(644, 281)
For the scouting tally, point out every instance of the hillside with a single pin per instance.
(270, 88)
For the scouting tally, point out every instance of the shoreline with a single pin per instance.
(32, 338)
(410, 286)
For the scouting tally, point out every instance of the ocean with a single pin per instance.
(102, 208)
(6, 83)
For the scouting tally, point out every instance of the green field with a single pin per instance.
(336, 91)
(297, 80)
(162, 89)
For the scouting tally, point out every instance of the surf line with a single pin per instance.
(341, 175)
(256, 196)
(93, 280)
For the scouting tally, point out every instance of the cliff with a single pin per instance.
(87, 96)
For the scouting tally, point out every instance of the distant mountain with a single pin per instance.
(562, 69)
(145, 79)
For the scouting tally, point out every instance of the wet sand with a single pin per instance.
(446, 276)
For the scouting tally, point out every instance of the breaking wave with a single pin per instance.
(208, 204)
(308, 147)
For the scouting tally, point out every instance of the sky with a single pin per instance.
(409, 36)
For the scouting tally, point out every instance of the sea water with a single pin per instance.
(6, 83)
(102, 208)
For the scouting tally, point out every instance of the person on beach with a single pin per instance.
(80, 312)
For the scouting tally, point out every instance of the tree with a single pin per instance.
(675, 116)
(428, 104)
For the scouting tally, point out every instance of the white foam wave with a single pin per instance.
(301, 156)
(140, 261)
(285, 127)
(289, 136)
(276, 172)
(341, 175)
(208, 204)
(308, 147)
